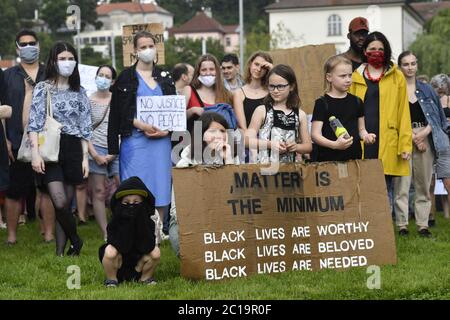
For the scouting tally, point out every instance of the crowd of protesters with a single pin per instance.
(389, 111)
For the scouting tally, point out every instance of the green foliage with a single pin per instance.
(30, 270)
(432, 47)
(92, 58)
(119, 54)
(88, 13)
(26, 8)
(224, 11)
(54, 13)
(258, 38)
(45, 44)
(188, 50)
(10, 26)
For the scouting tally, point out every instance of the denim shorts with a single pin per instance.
(110, 170)
(443, 164)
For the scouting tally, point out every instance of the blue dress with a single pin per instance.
(147, 158)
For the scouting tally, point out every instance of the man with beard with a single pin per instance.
(357, 33)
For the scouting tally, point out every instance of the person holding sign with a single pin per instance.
(431, 144)
(344, 106)
(145, 150)
(279, 129)
(382, 87)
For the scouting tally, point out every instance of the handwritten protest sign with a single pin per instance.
(87, 78)
(307, 62)
(128, 32)
(164, 112)
(234, 221)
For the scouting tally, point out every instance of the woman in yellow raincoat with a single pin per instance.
(382, 87)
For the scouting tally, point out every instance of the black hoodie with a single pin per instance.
(131, 229)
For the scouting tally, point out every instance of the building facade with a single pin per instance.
(319, 22)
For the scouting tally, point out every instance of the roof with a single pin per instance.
(428, 10)
(200, 23)
(234, 28)
(290, 4)
(130, 7)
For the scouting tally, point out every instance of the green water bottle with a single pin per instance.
(338, 128)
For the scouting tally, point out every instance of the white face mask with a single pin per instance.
(66, 67)
(207, 81)
(148, 55)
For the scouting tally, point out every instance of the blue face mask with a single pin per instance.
(102, 83)
(29, 54)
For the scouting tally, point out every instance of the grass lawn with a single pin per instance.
(30, 270)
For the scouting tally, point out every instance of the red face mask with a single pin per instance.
(375, 58)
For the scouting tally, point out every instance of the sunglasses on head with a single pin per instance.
(24, 44)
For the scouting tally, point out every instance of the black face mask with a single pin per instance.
(130, 210)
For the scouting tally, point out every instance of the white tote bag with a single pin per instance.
(48, 138)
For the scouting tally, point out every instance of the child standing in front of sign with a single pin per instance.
(279, 129)
(349, 109)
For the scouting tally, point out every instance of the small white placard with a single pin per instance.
(163, 112)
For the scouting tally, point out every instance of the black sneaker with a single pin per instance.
(111, 283)
(75, 249)
(425, 233)
(431, 223)
(403, 232)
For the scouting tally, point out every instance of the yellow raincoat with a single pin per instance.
(395, 133)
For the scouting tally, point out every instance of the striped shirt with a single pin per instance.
(100, 130)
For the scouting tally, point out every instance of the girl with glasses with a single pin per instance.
(278, 130)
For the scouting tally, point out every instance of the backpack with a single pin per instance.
(226, 111)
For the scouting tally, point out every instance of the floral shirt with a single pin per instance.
(70, 108)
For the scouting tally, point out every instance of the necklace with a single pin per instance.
(370, 77)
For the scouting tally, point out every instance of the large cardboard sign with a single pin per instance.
(307, 63)
(164, 112)
(234, 221)
(128, 32)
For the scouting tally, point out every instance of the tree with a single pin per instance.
(10, 25)
(432, 47)
(45, 44)
(257, 39)
(93, 58)
(54, 13)
(88, 12)
(119, 53)
(26, 8)
(188, 50)
(224, 11)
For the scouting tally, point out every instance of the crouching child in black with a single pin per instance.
(131, 252)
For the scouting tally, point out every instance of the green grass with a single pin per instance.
(30, 270)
